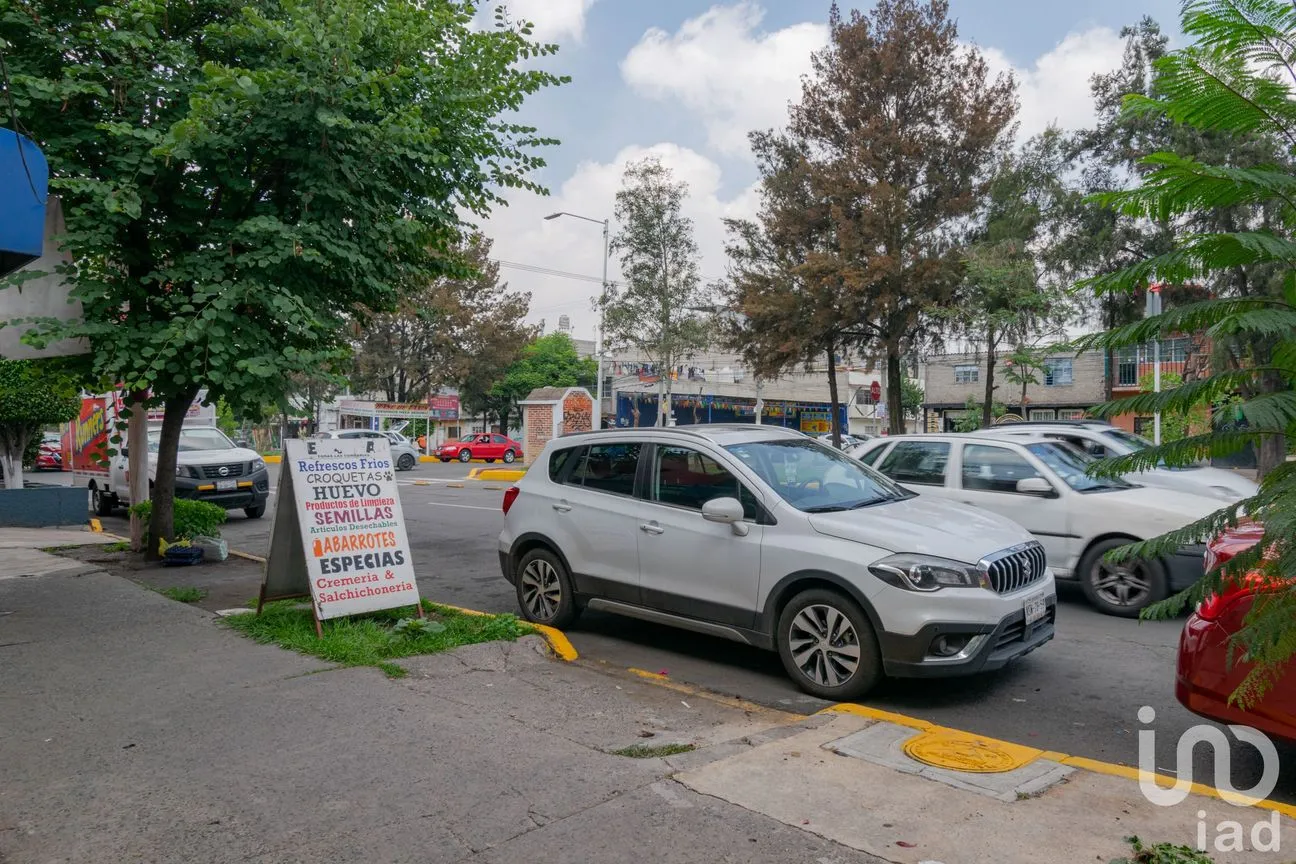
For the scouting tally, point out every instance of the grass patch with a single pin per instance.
(184, 595)
(377, 638)
(643, 751)
(1162, 853)
(119, 546)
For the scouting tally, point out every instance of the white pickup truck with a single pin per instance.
(209, 467)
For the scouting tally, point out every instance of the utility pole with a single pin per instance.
(1154, 309)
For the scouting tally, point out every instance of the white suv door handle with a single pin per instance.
(652, 528)
(562, 507)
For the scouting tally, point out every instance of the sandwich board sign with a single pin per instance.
(339, 533)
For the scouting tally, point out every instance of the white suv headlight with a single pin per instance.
(928, 573)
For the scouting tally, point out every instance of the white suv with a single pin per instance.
(764, 536)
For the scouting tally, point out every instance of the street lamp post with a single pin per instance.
(598, 336)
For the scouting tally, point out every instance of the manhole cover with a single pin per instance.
(959, 751)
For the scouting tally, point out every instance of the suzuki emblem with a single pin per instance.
(223, 470)
(1029, 569)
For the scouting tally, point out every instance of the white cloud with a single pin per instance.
(522, 235)
(721, 66)
(1056, 88)
(554, 20)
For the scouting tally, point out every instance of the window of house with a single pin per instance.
(994, 469)
(1058, 372)
(1042, 414)
(1070, 413)
(966, 374)
(1127, 366)
(687, 478)
(608, 468)
(917, 462)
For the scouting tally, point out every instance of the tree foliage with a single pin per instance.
(243, 180)
(791, 310)
(901, 123)
(442, 330)
(33, 395)
(1236, 79)
(549, 361)
(658, 311)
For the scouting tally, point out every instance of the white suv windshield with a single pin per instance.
(194, 439)
(815, 478)
(1070, 464)
(1131, 443)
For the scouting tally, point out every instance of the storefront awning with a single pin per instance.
(24, 179)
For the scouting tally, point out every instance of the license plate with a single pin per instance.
(226, 485)
(1036, 609)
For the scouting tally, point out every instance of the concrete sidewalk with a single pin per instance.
(134, 728)
(139, 729)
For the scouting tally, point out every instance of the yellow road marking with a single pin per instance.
(557, 640)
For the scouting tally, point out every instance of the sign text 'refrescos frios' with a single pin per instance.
(352, 531)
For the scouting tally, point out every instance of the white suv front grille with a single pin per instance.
(1015, 568)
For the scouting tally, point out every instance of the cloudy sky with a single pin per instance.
(687, 79)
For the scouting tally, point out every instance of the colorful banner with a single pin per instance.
(85, 439)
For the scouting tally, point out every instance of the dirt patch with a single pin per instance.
(228, 583)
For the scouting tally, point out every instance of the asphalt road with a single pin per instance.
(1080, 694)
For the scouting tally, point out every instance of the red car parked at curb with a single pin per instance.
(481, 445)
(1204, 679)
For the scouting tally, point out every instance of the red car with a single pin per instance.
(50, 456)
(481, 445)
(1205, 680)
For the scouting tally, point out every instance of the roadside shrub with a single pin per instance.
(192, 518)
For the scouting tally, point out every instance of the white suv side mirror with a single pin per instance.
(728, 511)
(1036, 486)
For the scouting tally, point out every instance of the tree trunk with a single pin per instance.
(832, 398)
(895, 392)
(12, 445)
(162, 522)
(987, 408)
(1272, 449)
(137, 464)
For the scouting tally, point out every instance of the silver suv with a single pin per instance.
(766, 537)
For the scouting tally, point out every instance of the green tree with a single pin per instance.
(1236, 79)
(439, 329)
(1178, 424)
(657, 312)
(33, 395)
(243, 180)
(912, 399)
(1023, 368)
(902, 123)
(973, 411)
(550, 361)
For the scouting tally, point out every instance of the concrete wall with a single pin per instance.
(45, 297)
(1085, 390)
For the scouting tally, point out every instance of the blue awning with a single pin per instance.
(24, 187)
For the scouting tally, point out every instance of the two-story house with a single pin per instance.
(1069, 385)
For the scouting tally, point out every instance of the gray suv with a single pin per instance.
(766, 537)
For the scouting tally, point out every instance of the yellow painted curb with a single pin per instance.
(473, 472)
(1009, 749)
(428, 459)
(96, 526)
(503, 475)
(272, 460)
(558, 641)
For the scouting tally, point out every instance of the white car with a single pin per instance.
(1103, 441)
(404, 454)
(764, 536)
(1042, 485)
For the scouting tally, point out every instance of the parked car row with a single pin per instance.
(911, 555)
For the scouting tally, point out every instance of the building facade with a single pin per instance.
(1069, 386)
